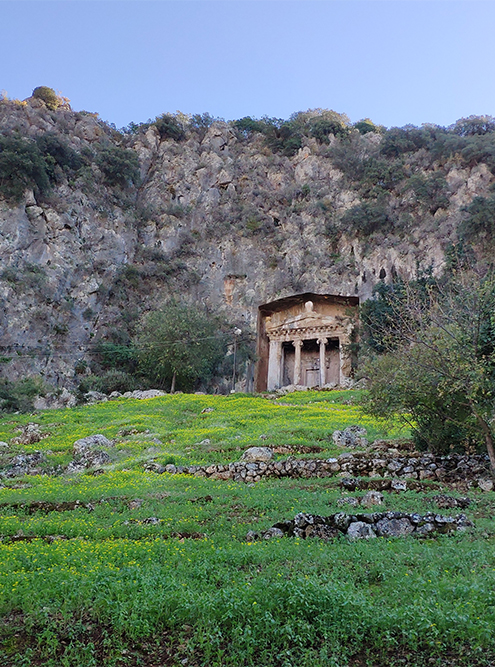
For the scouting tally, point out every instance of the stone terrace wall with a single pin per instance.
(420, 466)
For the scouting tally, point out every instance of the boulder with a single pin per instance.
(394, 527)
(83, 445)
(24, 464)
(353, 502)
(352, 437)
(448, 502)
(398, 485)
(359, 530)
(372, 498)
(55, 402)
(135, 504)
(147, 393)
(254, 454)
(485, 484)
(92, 397)
(273, 532)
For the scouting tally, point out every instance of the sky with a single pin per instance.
(394, 61)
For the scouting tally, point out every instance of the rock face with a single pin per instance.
(218, 217)
(363, 526)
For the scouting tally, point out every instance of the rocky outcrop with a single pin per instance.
(24, 464)
(363, 526)
(30, 433)
(88, 452)
(217, 217)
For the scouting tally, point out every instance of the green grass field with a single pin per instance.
(101, 584)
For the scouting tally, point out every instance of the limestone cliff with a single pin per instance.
(216, 217)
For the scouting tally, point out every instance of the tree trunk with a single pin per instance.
(172, 386)
(490, 448)
(490, 445)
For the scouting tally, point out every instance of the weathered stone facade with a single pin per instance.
(303, 339)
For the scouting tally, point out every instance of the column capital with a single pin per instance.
(322, 341)
(297, 343)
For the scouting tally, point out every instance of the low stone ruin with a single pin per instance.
(363, 526)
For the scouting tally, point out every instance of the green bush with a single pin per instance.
(49, 97)
(21, 167)
(120, 166)
(381, 175)
(247, 126)
(473, 125)
(322, 127)
(111, 380)
(169, 128)
(348, 155)
(400, 140)
(55, 152)
(367, 218)
(438, 368)
(480, 218)
(18, 396)
(366, 125)
(117, 355)
(431, 191)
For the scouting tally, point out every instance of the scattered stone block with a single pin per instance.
(352, 437)
(360, 530)
(255, 454)
(372, 498)
(485, 484)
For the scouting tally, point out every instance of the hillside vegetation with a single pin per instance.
(119, 565)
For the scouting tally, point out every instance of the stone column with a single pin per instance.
(323, 365)
(297, 361)
(274, 365)
(345, 361)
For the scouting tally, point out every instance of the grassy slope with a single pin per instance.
(117, 593)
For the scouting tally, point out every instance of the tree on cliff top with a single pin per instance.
(442, 375)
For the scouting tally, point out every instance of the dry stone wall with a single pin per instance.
(363, 526)
(415, 466)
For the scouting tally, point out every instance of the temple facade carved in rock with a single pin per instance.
(303, 339)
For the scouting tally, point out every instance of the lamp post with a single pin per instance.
(237, 332)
